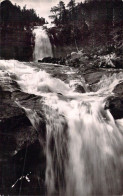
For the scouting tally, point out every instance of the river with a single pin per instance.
(84, 143)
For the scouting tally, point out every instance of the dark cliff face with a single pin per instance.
(16, 44)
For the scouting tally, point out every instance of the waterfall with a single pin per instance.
(43, 46)
(84, 144)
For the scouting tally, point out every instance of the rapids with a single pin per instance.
(84, 144)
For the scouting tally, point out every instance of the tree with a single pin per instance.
(54, 10)
(62, 12)
(71, 7)
(59, 14)
(12, 16)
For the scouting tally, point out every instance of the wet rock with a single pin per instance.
(21, 144)
(80, 89)
(93, 77)
(15, 127)
(73, 59)
(115, 105)
(24, 173)
(118, 90)
(53, 60)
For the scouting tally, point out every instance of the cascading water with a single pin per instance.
(43, 46)
(84, 144)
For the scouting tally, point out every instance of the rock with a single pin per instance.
(111, 61)
(53, 60)
(15, 127)
(118, 62)
(21, 150)
(73, 59)
(118, 90)
(92, 77)
(76, 55)
(80, 89)
(79, 59)
(46, 60)
(28, 162)
(115, 105)
(68, 56)
(73, 62)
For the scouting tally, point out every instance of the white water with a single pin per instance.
(84, 144)
(43, 46)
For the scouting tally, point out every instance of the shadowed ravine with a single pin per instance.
(82, 141)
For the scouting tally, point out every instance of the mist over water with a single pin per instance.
(43, 46)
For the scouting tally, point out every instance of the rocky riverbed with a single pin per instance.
(22, 155)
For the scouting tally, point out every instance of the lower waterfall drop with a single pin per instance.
(84, 143)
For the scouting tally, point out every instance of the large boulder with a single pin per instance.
(115, 102)
(118, 90)
(79, 59)
(22, 158)
(92, 76)
(80, 89)
(115, 105)
(53, 60)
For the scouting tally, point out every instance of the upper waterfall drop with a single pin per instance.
(43, 46)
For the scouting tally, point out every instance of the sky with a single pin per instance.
(42, 7)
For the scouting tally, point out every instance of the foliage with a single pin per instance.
(15, 17)
(92, 20)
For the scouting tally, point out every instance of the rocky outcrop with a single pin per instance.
(53, 60)
(115, 105)
(97, 59)
(115, 102)
(22, 157)
(118, 90)
(80, 89)
(16, 44)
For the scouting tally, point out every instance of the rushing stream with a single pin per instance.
(84, 144)
(83, 141)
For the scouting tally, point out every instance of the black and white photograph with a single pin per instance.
(61, 98)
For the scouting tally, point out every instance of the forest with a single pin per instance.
(76, 25)
(92, 22)
(13, 16)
